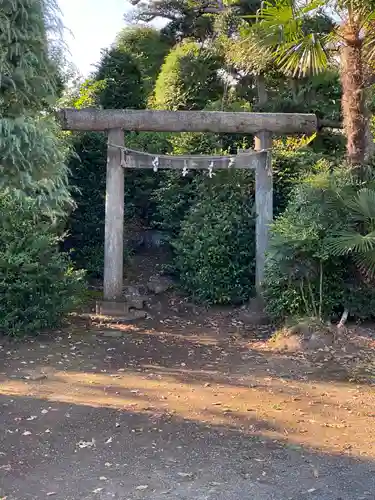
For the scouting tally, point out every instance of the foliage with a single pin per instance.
(355, 200)
(186, 18)
(195, 19)
(214, 252)
(317, 247)
(188, 78)
(173, 200)
(319, 94)
(296, 280)
(123, 80)
(32, 149)
(33, 156)
(300, 48)
(37, 283)
(148, 47)
(291, 162)
(85, 225)
(27, 72)
(85, 95)
(176, 194)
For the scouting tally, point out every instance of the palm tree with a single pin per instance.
(302, 51)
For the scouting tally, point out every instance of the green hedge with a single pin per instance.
(38, 285)
(214, 251)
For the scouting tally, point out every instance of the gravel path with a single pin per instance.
(160, 413)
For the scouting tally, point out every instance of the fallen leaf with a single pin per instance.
(86, 444)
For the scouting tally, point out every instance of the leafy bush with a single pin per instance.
(85, 225)
(123, 80)
(173, 199)
(37, 283)
(214, 252)
(149, 48)
(291, 162)
(188, 78)
(176, 194)
(33, 155)
(315, 249)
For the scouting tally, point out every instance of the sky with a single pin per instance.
(91, 25)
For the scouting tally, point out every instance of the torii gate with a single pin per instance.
(115, 122)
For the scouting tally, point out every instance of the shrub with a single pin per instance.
(37, 283)
(85, 225)
(306, 275)
(292, 160)
(148, 47)
(188, 78)
(214, 252)
(176, 194)
(123, 86)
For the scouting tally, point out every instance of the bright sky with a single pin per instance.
(93, 25)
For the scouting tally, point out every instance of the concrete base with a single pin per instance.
(254, 313)
(112, 308)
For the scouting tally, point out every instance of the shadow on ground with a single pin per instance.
(79, 452)
(177, 411)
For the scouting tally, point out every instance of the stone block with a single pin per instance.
(112, 308)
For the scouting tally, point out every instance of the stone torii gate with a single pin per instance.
(115, 122)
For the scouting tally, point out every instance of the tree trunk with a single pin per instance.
(353, 97)
(293, 85)
(262, 90)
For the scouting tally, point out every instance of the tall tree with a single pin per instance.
(122, 80)
(301, 49)
(190, 18)
(26, 69)
(31, 149)
(148, 47)
(188, 79)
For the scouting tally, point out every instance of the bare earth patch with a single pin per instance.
(180, 406)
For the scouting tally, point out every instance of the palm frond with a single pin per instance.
(362, 205)
(366, 263)
(369, 39)
(351, 242)
(298, 50)
(303, 56)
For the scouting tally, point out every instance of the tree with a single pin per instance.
(186, 19)
(188, 78)
(32, 149)
(305, 49)
(26, 68)
(37, 284)
(190, 18)
(148, 47)
(122, 80)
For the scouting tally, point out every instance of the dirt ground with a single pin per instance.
(179, 406)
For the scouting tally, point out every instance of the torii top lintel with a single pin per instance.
(91, 119)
